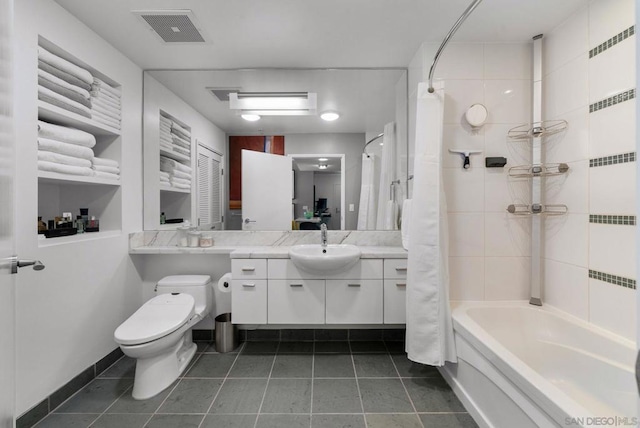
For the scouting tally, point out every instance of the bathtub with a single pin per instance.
(525, 366)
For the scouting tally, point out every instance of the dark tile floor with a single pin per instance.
(334, 384)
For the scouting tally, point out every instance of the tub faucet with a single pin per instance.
(323, 235)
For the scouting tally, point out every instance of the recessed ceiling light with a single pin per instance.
(251, 117)
(323, 159)
(329, 116)
(175, 29)
(323, 166)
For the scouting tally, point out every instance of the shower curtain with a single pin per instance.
(429, 323)
(387, 211)
(368, 194)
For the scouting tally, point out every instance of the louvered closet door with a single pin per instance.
(210, 191)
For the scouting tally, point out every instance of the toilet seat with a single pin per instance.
(157, 318)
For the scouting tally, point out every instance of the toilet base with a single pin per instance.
(156, 373)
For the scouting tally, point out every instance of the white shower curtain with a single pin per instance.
(429, 323)
(387, 211)
(368, 194)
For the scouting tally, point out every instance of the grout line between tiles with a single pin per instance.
(273, 363)
(406, 391)
(355, 374)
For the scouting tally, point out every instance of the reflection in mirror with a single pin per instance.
(367, 102)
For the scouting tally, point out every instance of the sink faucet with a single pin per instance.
(323, 235)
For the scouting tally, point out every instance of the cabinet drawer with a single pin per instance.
(249, 268)
(249, 301)
(364, 269)
(296, 301)
(395, 301)
(395, 268)
(354, 301)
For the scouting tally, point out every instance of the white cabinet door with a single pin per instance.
(395, 268)
(249, 268)
(296, 301)
(249, 301)
(210, 189)
(395, 295)
(354, 301)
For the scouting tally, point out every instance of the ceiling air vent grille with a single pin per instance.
(222, 94)
(173, 26)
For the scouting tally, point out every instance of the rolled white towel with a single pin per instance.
(65, 135)
(111, 169)
(64, 169)
(63, 159)
(181, 174)
(406, 218)
(48, 145)
(105, 162)
(64, 65)
(107, 175)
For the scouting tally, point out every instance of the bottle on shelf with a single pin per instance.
(163, 218)
(42, 226)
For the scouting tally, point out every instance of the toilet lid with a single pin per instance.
(157, 318)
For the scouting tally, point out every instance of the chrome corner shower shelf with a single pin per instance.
(537, 209)
(537, 129)
(538, 170)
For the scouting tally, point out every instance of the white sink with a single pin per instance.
(321, 260)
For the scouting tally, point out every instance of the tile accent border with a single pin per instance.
(625, 220)
(49, 404)
(613, 100)
(613, 279)
(612, 160)
(612, 41)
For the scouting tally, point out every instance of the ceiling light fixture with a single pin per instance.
(274, 103)
(323, 166)
(329, 116)
(323, 159)
(251, 117)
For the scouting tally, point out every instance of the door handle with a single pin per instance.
(247, 221)
(16, 263)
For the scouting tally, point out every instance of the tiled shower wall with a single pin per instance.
(489, 248)
(589, 80)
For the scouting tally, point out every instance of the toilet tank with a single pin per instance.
(198, 286)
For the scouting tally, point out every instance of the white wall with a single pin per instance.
(157, 97)
(574, 245)
(489, 249)
(66, 314)
(349, 144)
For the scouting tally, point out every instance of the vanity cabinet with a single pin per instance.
(275, 291)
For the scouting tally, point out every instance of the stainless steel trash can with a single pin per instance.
(226, 334)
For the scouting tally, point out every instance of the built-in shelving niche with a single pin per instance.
(175, 202)
(58, 193)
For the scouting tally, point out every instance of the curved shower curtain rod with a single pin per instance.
(364, 149)
(448, 37)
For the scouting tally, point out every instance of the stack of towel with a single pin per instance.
(106, 168)
(165, 179)
(64, 150)
(179, 173)
(63, 84)
(174, 138)
(105, 103)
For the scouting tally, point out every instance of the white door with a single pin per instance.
(210, 189)
(266, 191)
(7, 242)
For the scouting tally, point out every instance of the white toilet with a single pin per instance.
(158, 334)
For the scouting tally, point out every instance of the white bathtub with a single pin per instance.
(524, 366)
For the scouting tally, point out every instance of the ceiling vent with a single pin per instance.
(223, 93)
(173, 26)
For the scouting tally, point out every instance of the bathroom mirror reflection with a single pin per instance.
(366, 101)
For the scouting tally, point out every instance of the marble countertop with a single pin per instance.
(265, 252)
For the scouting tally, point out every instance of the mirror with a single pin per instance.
(365, 99)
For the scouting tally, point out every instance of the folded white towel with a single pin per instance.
(105, 162)
(164, 174)
(181, 143)
(111, 169)
(65, 135)
(47, 95)
(107, 175)
(165, 138)
(165, 127)
(166, 146)
(406, 218)
(103, 93)
(166, 121)
(64, 65)
(50, 77)
(175, 180)
(63, 159)
(95, 113)
(104, 85)
(74, 150)
(181, 151)
(391, 216)
(107, 111)
(180, 131)
(181, 174)
(175, 164)
(108, 123)
(181, 186)
(64, 169)
(105, 101)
